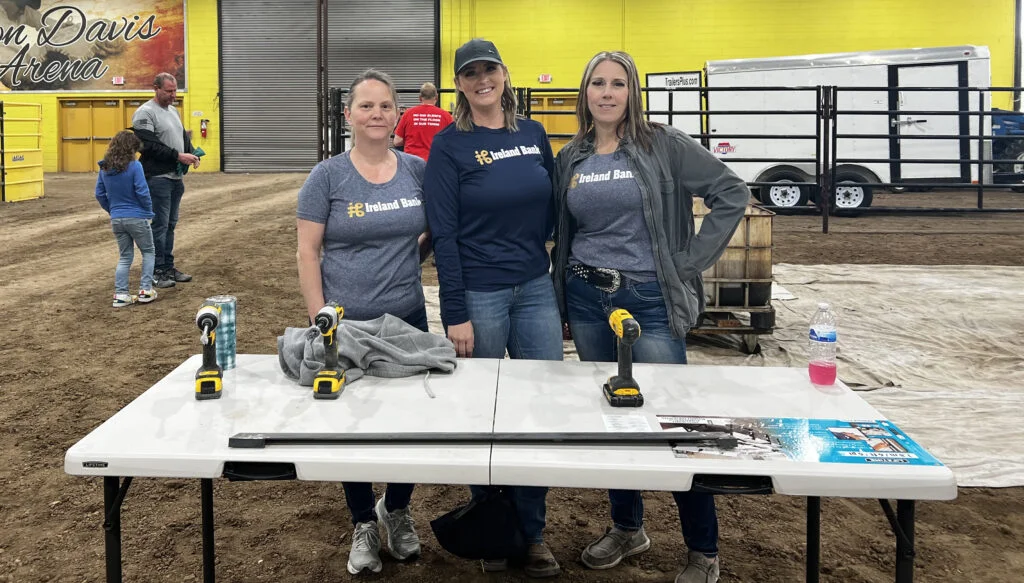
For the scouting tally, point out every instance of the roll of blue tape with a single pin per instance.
(225, 331)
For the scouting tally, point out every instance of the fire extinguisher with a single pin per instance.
(203, 125)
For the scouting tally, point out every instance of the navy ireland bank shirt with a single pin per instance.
(490, 210)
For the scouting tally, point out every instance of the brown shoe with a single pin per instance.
(540, 562)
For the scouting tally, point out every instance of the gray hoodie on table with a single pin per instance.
(383, 347)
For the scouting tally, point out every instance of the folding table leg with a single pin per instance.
(208, 553)
(905, 544)
(813, 538)
(114, 492)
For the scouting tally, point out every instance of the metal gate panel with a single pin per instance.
(919, 125)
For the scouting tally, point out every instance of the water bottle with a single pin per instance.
(821, 364)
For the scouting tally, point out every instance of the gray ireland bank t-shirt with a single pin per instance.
(164, 121)
(605, 200)
(370, 262)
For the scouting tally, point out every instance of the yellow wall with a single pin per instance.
(559, 36)
(203, 77)
(203, 84)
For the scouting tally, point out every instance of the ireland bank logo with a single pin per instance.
(360, 209)
(489, 156)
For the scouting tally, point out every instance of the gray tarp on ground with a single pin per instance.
(938, 350)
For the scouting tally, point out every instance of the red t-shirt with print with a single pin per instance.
(418, 126)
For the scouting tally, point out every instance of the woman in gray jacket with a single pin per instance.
(624, 237)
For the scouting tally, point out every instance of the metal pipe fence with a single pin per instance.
(827, 149)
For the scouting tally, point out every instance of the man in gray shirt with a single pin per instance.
(166, 150)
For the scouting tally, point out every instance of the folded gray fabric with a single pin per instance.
(383, 347)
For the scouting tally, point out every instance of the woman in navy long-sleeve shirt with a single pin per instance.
(490, 210)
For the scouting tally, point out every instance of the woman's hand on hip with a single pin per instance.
(461, 336)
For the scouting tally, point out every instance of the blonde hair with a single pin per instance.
(633, 126)
(463, 115)
(428, 91)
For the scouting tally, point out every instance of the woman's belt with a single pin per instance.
(603, 278)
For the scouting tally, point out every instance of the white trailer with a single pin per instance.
(954, 67)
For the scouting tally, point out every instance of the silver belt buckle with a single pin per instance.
(616, 280)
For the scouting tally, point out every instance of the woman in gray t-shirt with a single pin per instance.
(362, 233)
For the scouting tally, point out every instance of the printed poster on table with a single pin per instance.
(811, 440)
(90, 45)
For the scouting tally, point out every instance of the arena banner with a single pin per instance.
(90, 45)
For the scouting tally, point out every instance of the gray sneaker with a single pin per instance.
(540, 562)
(699, 569)
(403, 542)
(365, 552)
(162, 280)
(613, 546)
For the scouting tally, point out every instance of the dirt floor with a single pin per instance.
(69, 361)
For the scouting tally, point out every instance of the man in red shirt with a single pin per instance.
(418, 125)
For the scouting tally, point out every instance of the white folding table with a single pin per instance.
(167, 433)
(468, 429)
(565, 397)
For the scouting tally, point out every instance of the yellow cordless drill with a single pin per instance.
(622, 390)
(330, 381)
(210, 376)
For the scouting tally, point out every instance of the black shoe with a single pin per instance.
(162, 280)
(179, 276)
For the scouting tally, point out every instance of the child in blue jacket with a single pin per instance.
(122, 191)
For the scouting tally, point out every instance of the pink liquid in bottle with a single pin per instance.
(822, 373)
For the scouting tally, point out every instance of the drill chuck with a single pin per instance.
(327, 318)
(208, 317)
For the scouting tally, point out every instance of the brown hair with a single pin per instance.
(121, 151)
(161, 78)
(634, 126)
(367, 75)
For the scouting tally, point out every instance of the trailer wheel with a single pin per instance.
(853, 190)
(784, 193)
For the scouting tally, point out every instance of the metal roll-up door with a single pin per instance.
(268, 85)
(403, 43)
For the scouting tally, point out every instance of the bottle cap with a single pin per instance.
(823, 306)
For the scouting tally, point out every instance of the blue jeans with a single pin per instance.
(524, 320)
(359, 495)
(129, 233)
(166, 194)
(586, 306)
